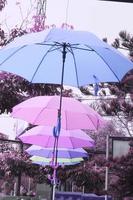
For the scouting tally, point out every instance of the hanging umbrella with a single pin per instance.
(35, 150)
(59, 160)
(47, 163)
(43, 110)
(43, 136)
(66, 57)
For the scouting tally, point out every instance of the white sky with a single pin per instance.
(105, 19)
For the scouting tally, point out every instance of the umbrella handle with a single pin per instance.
(56, 129)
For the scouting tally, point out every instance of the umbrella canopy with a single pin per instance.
(46, 163)
(43, 136)
(67, 161)
(43, 110)
(35, 150)
(40, 58)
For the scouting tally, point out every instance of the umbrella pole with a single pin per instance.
(107, 169)
(59, 121)
(55, 167)
(54, 183)
(64, 52)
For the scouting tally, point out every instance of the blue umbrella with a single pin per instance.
(74, 58)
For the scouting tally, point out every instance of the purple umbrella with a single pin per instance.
(35, 150)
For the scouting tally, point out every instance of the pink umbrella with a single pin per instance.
(43, 110)
(42, 136)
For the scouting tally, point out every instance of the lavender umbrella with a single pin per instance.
(35, 150)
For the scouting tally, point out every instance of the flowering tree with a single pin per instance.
(12, 85)
(2, 4)
(116, 99)
(120, 108)
(122, 171)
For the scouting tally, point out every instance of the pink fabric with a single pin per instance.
(43, 110)
(43, 136)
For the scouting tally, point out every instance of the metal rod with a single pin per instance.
(62, 76)
(107, 169)
(55, 156)
(54, 183)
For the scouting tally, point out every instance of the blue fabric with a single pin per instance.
(38, 58)
(78, 196)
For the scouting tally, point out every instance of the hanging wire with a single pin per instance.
(67, 12)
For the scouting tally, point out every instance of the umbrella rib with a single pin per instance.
(74, 46)
(66, 119)
(76, 70)
(51, 45)
(84, 49)
(37, 116)
(49, 50)
(12, 54)
(73, 147)
(96, 127)
(105, 62)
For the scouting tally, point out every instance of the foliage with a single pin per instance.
(125, 42)
(122, 168)
(118, 101)
(100, 137)
(86, 175)
(14, 163)
(2, 4)
(92, 170)
(120, 107)
(15, 89)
